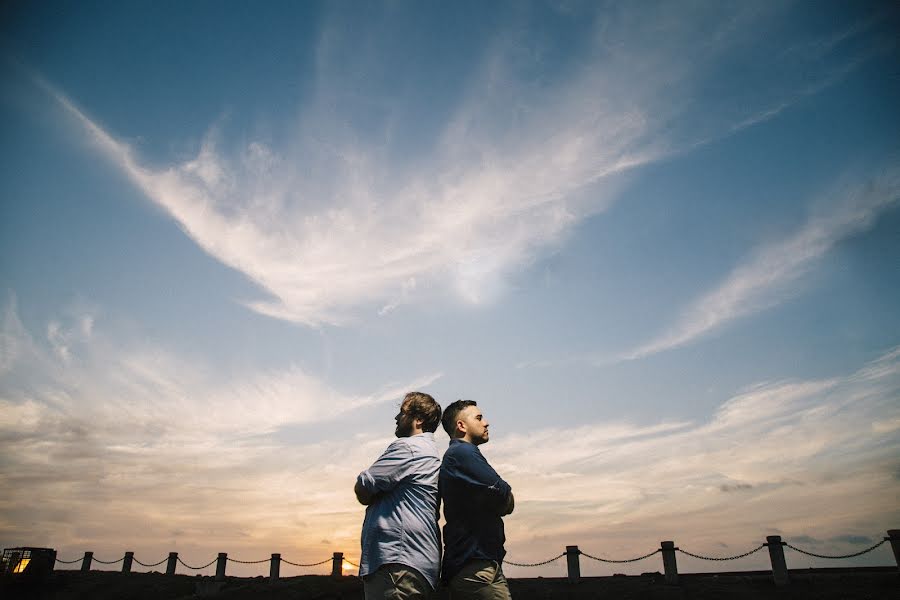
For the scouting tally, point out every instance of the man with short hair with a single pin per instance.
(475, 500)
(401, 541)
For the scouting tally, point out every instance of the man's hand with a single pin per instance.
(363, 495)
(510, 506)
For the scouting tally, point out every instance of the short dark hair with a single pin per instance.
(419, 405)
(452, 412)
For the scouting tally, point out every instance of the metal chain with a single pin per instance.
(109, 562)
(842, 556)
(303, 565)
(630, 560)
(248, 562)
(197, 568)
(761, 546)
(153, 565)
(537, 564)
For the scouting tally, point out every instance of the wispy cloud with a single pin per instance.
(774, 271)
(135, 449)
(331, 223)
(754, 468)
(113, 443)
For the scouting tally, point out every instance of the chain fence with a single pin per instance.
(735, 557)
(248, 562)
(537, 564)
(209, 564)
(509, 562)
(306, 565)
(860, 553)
(627, 560)
(184, 564)
(700, 556)
(153, 565)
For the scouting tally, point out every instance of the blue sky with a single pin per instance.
(658, 244)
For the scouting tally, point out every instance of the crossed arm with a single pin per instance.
(364, 496)
(384, 474)
(510, 505)
(493, 492)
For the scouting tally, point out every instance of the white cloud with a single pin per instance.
(407, 289)
(118, 444)
(331, 223)
(816, 458)
(11, 335)
(775, 271)
(886, 426)
(128, 447)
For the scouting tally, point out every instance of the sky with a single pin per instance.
(658, 243)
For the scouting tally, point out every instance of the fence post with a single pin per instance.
(670, 565)
(86, 562)
(776, 555)
(220, 566)
(170, 566)
(894, 537)
(572, 553)
(275, 567)
(126, 564)
(337, 562)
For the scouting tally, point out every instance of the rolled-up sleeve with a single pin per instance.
(389, 470)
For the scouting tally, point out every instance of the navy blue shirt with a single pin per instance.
(474, 497)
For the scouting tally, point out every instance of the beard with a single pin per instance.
(404, 427)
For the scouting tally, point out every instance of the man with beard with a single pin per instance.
(401, 541)
(475, 500)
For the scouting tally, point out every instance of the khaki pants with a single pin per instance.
(396, 582)
(479, 580)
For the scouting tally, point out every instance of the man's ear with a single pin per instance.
(461, 426)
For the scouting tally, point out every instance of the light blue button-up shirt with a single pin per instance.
(401, 524)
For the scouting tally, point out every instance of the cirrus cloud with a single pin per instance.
(331, 223)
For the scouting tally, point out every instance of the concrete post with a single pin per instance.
(275, 567)
(337, 563)
(86, 563)
(126, 564)
(776, 555)
(220, 566)
(572, 553)
(894, 537)
(170, 566)
(670, 565)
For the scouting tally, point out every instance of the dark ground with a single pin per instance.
(826, 584)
